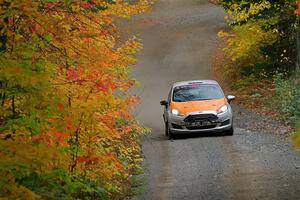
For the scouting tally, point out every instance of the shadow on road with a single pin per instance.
(197, 135)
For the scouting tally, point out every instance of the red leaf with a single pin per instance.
(60, 106)
(86, 5)
(81, 159)
(51, 5)
(297, 11)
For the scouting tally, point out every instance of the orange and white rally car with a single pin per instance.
(197, 106)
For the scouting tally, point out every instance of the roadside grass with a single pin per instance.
(137, 183)
(138, 186)
(296, 136)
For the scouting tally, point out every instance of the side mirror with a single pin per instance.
(230, 98)
(164, 103)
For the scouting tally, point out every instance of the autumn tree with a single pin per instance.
(269, 27)
(65, 119)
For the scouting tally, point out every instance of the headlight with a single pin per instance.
(222, 109)
(175, 112)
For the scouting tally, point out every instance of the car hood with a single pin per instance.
(192, 106)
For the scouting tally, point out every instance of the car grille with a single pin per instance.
(200, 127)
(193, 118)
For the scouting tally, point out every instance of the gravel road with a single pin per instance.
(179, 39)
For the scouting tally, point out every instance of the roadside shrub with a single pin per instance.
(59, 184)
(287, 96)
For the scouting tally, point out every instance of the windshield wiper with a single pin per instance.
(202, 99)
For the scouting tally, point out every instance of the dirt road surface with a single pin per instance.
(179, 39)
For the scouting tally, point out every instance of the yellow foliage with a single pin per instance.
(237, 14)
(245, 41)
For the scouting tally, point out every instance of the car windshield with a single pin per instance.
(196, 92)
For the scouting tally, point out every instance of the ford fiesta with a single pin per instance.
(197, 106)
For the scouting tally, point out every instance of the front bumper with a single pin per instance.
(218, 123)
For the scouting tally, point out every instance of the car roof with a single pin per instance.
(204, 82)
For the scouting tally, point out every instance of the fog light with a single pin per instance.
(226, 122)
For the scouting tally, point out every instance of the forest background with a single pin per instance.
(261, 53)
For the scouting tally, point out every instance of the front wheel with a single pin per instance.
(166, 129)
(230, 131)
(168, 132)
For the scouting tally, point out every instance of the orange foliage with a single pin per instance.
(297, 11)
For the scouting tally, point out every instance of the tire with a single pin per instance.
(166, 129)
(168, 132)
(230, 131)
(171, 135)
